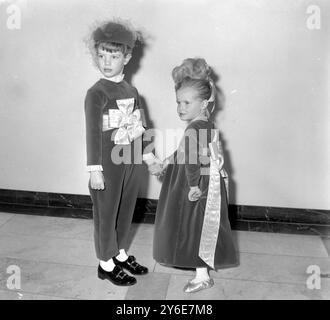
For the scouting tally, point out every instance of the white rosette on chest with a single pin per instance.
(128, 122)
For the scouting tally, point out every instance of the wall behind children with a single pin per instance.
(272, 59)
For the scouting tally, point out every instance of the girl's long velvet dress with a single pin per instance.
(179, 222)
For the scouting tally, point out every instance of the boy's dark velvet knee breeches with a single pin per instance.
(113, 209)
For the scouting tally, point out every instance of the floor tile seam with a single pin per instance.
(56, 263)
(283, 255)
(14, 215)
(325, 257)
(166, 290)
(238, 220)
(283, 223)
(293, 284)
(153, 269)
(238, 251)
(85, 239)
(327, 250)
(3, 224)
(273, 234)
(242, 279)
(37, 294)
(13, 234)
(167, 287)
(286, 255)
(47, 261)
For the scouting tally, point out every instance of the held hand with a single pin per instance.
(97, 180)
(155, 166)
(156, 169)
(194, 193)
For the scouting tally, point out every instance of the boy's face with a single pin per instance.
(111, 63)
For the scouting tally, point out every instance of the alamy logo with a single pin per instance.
(14, 280)
(313, 21)
(13, 9)
(314, 280)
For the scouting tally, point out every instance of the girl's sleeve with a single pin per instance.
(94, 119)
(192, 162)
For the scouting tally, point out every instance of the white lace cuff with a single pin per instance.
(149, 158)
(94, 168)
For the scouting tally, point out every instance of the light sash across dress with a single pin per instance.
(212, 215)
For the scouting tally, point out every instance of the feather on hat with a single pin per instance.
(115, 32)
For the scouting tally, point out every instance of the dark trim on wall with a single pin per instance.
(242, 217)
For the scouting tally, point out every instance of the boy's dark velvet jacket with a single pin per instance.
(97, 103)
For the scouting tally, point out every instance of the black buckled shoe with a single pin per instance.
(131, 265)
(117, 276)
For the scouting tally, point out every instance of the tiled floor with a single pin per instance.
(56, 260)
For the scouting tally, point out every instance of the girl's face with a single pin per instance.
(190, 105)
(111, 63)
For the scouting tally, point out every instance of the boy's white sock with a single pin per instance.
(107, 265)
(122, 256)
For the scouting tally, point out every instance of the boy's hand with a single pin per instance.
(97, 180)
(194, 193)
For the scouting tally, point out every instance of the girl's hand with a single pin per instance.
(194, 193)
(97, 180)
(156, 169)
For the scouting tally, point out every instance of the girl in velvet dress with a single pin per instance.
(192, 229)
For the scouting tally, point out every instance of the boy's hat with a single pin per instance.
(114, 32)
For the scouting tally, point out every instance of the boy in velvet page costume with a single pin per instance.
(113, 128)
(192, 229)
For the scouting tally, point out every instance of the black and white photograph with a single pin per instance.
(164, 151)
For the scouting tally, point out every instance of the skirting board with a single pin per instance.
(242, 217)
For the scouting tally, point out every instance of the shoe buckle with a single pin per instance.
(121, 275)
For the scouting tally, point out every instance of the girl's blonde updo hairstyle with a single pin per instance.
(196, 74)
